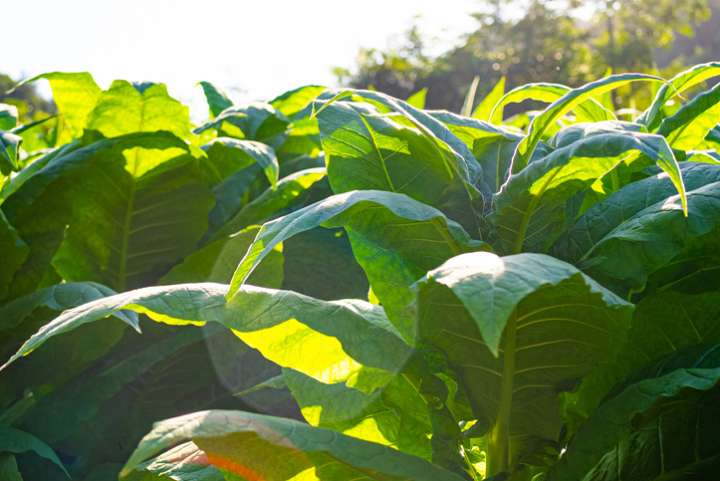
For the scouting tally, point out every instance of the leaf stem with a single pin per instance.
(499, 439)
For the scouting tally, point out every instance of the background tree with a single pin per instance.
(567, 41)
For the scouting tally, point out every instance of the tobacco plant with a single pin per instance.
(530, 298)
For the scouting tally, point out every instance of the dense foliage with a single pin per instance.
(385, 292)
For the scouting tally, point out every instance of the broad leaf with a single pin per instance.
(547, 321)
(75, 95)
(622, 243)
(695, 369)
(365, 150)
(248, 445)
(395, 239)
(530, 211)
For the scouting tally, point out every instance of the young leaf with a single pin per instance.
(688, 127)
(484, 109)
(467, 108)
(417, 99)
(216, 99)
(564, 104)
(247, 445)
(683, 81)
(9, 152)
(588, 110)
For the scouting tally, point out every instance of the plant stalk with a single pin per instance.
(499, 439)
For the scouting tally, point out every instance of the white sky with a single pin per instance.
(260, 47)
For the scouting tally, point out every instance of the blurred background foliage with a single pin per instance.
(560, 41)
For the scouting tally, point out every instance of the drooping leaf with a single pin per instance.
(15, 441)
(564, 104)
(683, 81)
(254, 121)
(587, 110)
(688, 127)
(394, 238)
(241, 153)
(283, 325)
(247, 444)
(547, 321)
(695, 369)
(530, 211)
(624, 239)
(216, 99)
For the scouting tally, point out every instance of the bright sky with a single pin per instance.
(261, 48)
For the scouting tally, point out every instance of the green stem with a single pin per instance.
(499, 439)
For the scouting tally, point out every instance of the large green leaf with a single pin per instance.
(621, 241)
(283, 325)
(547, 321)
(294, 101)
(365, 150)
(530, 211)
(125, 108)
(664, 323)
(249, 445)
(395, 239)
(564, 104)
(688, 127)
(683, 81)
(16, 441)
(395, 415)
(695, 369)
(114, 218)
(75, 95)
